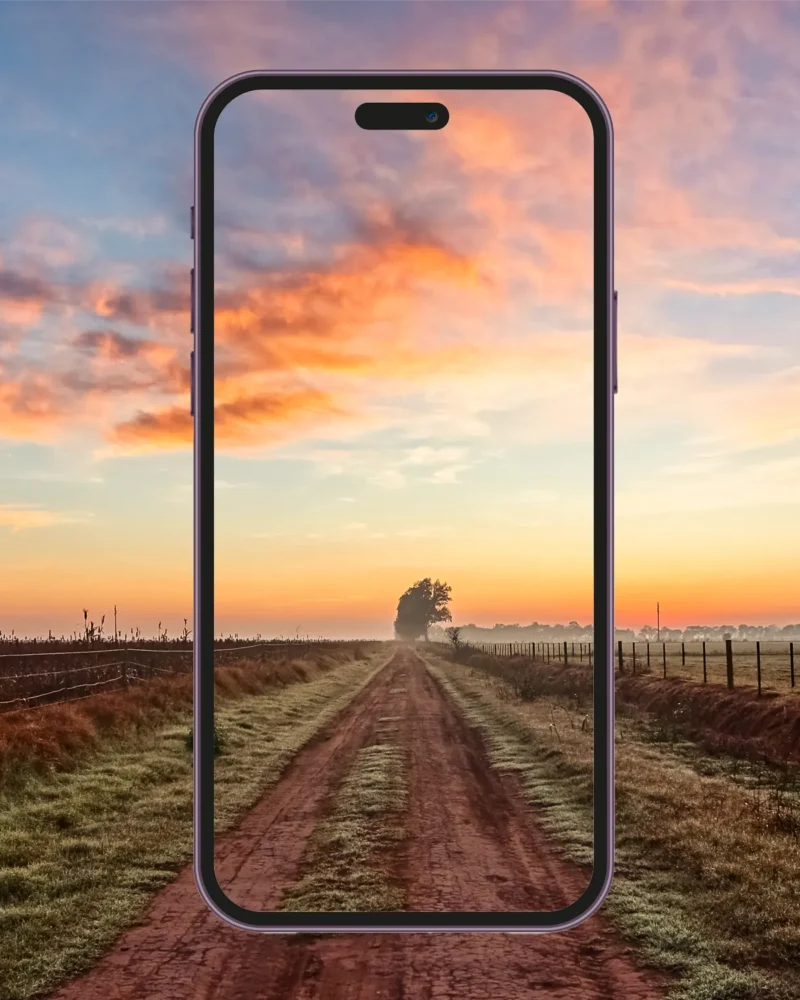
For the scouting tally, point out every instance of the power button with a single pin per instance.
(614, 343)
(191, 383)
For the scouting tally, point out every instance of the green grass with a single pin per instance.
(82, 851)
(348, 857)
(706, 889)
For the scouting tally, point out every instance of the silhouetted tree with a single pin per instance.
(454, 635)
(421, 606)
(461, 649)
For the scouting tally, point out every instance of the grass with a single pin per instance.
(738, 722)
(346, 860)
(705, 885)
(57, 736)
(82, 850)
(775, 662)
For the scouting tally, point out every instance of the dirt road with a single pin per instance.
(473, 844)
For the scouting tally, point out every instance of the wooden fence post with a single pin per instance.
(791, 663)
(565, 651)
(633, 651)
(758, 665)
(664, 657)
(648, 655)
(619, 657)
(729, 660)
(705, 670)
(683, 654)
(591, 647)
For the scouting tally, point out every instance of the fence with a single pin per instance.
(29, 680)
(768, 665)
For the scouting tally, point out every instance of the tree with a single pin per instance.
(461, 649)
(421, 606)
(454, 635)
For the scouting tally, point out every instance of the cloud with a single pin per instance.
(112, 363)
(403, 276)
(256, 420)
(448, 474)
(141, 306)
(427, 455)
(32, 407)
(760, 286)
(18, 517)
(47, 242)
(390, 479)
(23, 297)
(139, 227)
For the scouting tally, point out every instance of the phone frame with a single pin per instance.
(604, 381)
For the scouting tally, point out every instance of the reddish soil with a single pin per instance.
(473, 845)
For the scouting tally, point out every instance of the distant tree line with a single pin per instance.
(425, 605)
(574, 632)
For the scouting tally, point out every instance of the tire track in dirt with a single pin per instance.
(473, 844)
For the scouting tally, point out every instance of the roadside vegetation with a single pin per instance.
(101, 817)
(707, 881)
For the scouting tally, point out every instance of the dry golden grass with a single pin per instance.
(738, 722)
(54, 736)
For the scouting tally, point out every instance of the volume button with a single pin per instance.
(191, 292)
(191, 383)
(191, 222)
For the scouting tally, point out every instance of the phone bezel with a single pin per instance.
(603, 440)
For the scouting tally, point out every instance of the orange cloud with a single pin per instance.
(30, 406)
(257, 419)
(359, 316)
(368, 286)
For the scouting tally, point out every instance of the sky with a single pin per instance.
(402, 320)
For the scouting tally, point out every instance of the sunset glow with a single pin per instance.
(403, 370)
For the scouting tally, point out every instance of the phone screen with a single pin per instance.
(404, 504)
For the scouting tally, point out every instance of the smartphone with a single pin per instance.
(403, 381)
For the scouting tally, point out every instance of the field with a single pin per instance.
(358, 777)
